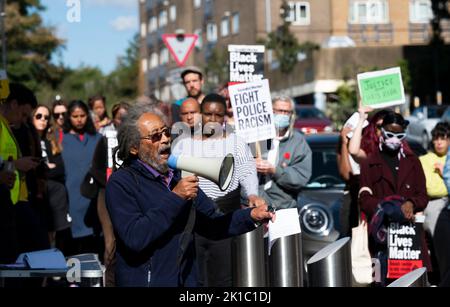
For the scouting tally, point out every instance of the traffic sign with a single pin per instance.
(180, 46)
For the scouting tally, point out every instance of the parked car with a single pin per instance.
(319, 203)
(311, 120)
(422, 121)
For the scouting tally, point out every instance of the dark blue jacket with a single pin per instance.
(148, 220)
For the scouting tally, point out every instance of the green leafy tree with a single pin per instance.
(123, 81)
(217, 68)
(284, 43)
(31, 45)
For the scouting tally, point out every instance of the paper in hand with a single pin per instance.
(352, 122)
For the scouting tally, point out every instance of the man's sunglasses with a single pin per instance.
(58, 115)
(390, 135)
(40, 116)
(156, 137)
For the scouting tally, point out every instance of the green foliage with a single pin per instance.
(30, 46)
(346, 104)
(217, 68)
(285, 44)
(406, 75)
(85, 81)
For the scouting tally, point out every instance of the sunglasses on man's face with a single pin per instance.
(58, 115)
(156, 137)
(40, 116)
(390, 135)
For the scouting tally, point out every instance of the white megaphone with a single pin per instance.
(218, 170)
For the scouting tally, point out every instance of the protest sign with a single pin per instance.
(380, 89)
(246, 63)
(252, 108)
(404, 249)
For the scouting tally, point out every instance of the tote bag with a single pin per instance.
(361, 259)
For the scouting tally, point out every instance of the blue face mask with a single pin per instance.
(282, 121)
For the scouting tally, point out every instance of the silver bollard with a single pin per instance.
(286, 262)
(416, 278)
(248, 259)
(331, 266)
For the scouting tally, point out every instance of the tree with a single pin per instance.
(123, 81)
(217, 68)
(30, 46)
(285, 44)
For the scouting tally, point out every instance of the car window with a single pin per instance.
(435, 112)
(324, 167)
(417, 111)
(310, 113)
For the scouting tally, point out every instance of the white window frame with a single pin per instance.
(211, 32)
(295, 17)
(154, 61)
(197, 3)
(235, 24)
(173, 12)
(225, 27)
(152, 24)
(416, 15)
(356, 18)
(162, 19)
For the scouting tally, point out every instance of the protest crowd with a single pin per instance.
(84, 180)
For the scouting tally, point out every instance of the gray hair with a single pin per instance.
(128, 135)
(288, 99)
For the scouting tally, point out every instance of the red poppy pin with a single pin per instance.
(287, 155)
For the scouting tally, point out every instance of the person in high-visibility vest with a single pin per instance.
(14, 112)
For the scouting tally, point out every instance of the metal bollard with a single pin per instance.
(248, 259)
(331, 266)
(286, 262)
(417, 278)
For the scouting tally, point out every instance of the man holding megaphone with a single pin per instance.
(201, 152)
(154, 211)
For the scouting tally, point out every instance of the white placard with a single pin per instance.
(253, 113)
(286, 224)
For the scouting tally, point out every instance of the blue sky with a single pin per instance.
(103, 33)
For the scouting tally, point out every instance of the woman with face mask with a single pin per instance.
(392, 174)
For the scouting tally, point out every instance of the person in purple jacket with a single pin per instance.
(154, 212)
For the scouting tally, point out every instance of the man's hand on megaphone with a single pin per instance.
(255, 201)
(187, 188)
(262, 214)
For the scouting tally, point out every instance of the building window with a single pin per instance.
(299, 13)
(197, 3)
(152, 24)
(235, 23)
(162, 19)
(143, 30)
(211, 32)
(369, 12)
(199, 42)
(173, 13)
(420, 11)
(225, 27)
(153, 60)
(164, 56)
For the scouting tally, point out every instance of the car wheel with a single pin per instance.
(425, 140)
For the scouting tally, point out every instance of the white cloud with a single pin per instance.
(115, 3)
(124, 23)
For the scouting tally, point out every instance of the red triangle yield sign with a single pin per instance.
(180, 46)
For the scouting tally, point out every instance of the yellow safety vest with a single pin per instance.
(9, 147)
